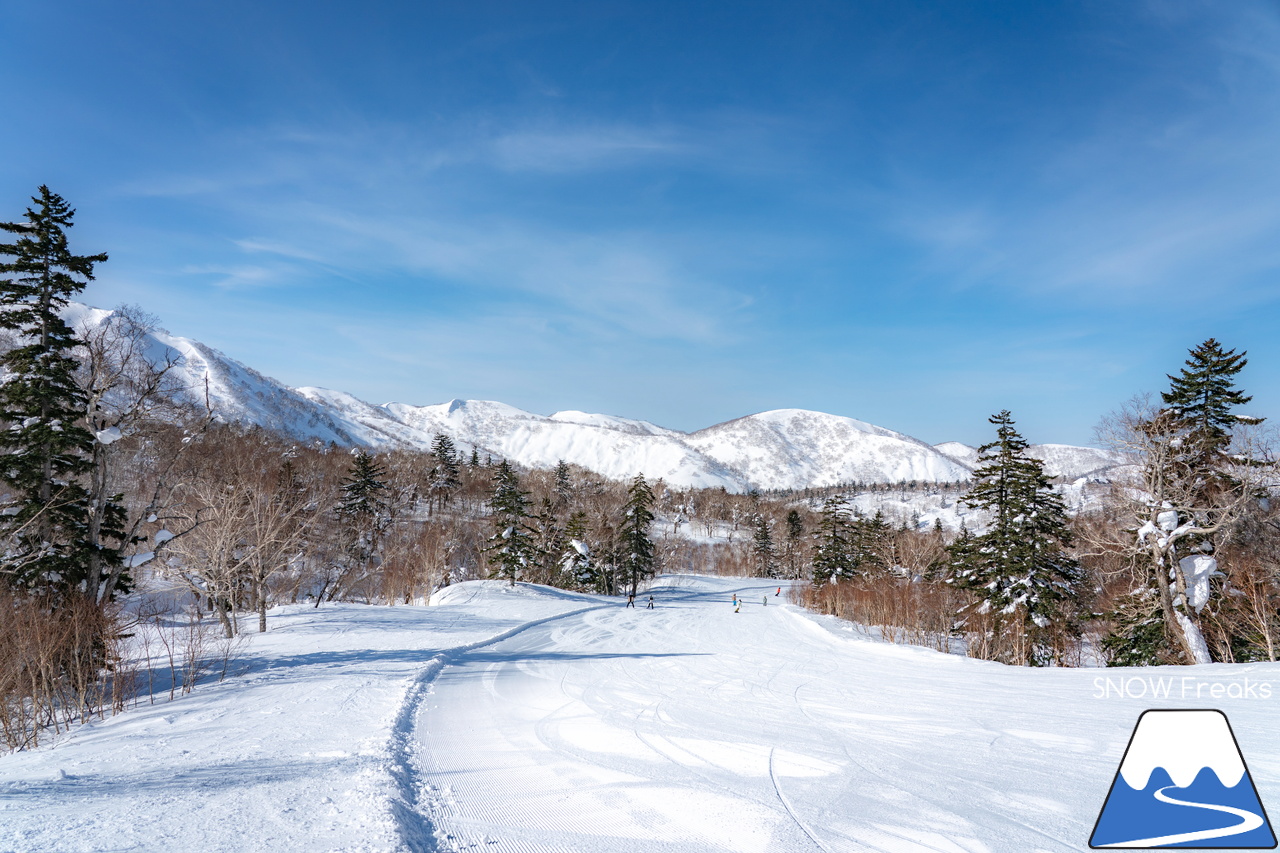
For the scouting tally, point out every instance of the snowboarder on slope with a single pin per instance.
(766, 601)
(778, 593)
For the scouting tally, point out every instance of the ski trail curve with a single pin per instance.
(786, 803)
(409, 809)
(1248, 822)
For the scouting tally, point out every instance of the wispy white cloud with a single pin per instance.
(272, 247)
(379, 202)
(241, 277)
(583, 148)
(614, 282)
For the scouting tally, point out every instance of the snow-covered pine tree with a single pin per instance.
(363, 512)
(831, 546)
(1137, 635)
(958, 557)
(53, 539)
(511, 549)
(762, 551)
(445, 473)
(1018, 568)
(363, 489)
(637, 557)
(575, 561)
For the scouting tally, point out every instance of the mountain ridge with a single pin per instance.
(787, 449)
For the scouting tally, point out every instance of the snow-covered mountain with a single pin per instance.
(794, 449)
(615, 447)
(1060, 460)
(782, 449)
(239, 394)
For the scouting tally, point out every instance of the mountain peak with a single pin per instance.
(775, 449)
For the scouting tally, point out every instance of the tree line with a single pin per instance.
(1179, 563)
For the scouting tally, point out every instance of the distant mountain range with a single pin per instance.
(781, 449)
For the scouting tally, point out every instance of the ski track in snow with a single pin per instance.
(411, 810)
(626, 730)
(526, 720)
(773, 777)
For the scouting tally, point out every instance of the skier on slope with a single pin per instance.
(631, 599)
(650, 607)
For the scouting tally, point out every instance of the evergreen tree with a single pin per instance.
(832, 557)
(575, 560)
(1203, 395)
(363, 488)
(765, 558)
(1137, 636)
(1018, 568)
(1199, 420)
(870, 544)
(511, 548)
(563, 485)
(445, 474)
(960, 558)
(363, 507)
(636, 552)
(55, 542)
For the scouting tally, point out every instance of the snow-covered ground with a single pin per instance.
(528, 719)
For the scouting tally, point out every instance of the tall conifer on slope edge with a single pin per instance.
(638, 557)
(53, 542)
(832, 557)
(1018, 568)
(445, 474)
(511, 550)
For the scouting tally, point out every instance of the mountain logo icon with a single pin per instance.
(1183, 783)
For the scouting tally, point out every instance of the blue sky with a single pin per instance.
(915, 214)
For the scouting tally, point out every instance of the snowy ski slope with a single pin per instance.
(529, 719)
